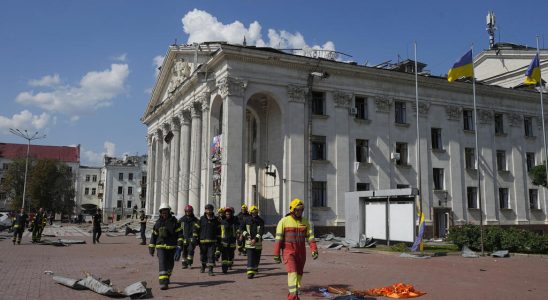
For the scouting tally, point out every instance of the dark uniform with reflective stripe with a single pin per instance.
(37, 225)
(241, 219)
(19, 224)
(209, 236)
(188, 238)
(230, 230)
(97, 219)
(253, 229)
(164, 238)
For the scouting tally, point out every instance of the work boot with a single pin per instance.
(164, 286)
(225, 269)
(13, 242)
(202, 268)
(210, 272)
(250, 276)
(185, 265)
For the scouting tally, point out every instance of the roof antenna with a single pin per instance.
(491, 28)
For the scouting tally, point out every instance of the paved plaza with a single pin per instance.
(123, 261)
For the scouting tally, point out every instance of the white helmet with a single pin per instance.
(164, 206)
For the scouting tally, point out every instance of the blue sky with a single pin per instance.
(81, 71)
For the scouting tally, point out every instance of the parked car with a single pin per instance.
(5, 220)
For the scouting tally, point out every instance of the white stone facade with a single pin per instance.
(87, 194)
(267, 105)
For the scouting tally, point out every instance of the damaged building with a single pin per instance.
(232, 124)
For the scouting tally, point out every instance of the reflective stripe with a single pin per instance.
(208, 241)
(164, 246)
(164, 277)
(151, 246)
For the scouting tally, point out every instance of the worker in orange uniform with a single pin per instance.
(292, 233)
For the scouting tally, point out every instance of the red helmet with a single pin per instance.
(189, 208)
(229, 209)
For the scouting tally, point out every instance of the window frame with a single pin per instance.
(400, 112)
(318, 144)
(436, 141)
(319, 189)
(318, 103)
(504, 198)
(472, 197)
(470, 158)
(528, 126)
(404, 159)
(501, 161)
(362, 149)
(499, 123)
(535, 205)
(438, 179)
(468, 120)
(360, 103)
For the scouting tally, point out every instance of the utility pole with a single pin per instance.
(29, 137)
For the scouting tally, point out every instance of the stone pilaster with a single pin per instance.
(159, 137)
(195, 158)
(174, 163)
(184, 160)
(164, 198)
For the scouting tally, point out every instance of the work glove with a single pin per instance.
(217, 255)
(151, 251)
(314, 254)
(278, 259)
(178, 251)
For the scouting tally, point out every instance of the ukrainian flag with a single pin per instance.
(532, 75)
(462, 68)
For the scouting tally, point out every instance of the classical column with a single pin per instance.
(232, 174)
(158, 135)
(195, 158)
(149, 201)
(174, 164)
(164, 199)
(205, 161)
(343, 163)
(184, 162)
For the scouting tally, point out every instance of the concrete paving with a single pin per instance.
(123, 261)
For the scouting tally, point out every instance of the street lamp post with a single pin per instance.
(29, 137)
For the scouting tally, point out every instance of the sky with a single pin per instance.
(81, 72)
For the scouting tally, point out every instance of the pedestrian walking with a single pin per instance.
(253, 229)
(37, 225)
(19, 223)
(189, 238)
(209, 236)
(164, 240)
(143, 223)
(242, 216)
(292, 233)
(230, 229)
(96, 226)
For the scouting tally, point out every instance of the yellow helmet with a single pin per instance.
(296, 202)
(253, 208)
(244, 206)
(221, 210)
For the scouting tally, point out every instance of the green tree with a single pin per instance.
(14, 180)
(538, 174)
(51, 186)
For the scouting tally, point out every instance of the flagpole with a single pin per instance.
(542, 112)
(419, 166)
(477, 154)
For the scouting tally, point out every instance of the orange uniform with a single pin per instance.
(291, 237)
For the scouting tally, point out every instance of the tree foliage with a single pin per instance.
(49, 185)
(538, 174)
(14, 180)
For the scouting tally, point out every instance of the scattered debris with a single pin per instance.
(48, 272)
(466, 252)
(61, 242)
(134, 290)
(130, 230)
(268, 237)
(420, 256)
(397, 290)
(501, 253)
(339, 242)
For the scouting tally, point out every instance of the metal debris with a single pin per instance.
(419, 256)
(61, 242)
(137, 289)
(501, 253)
(268, 236)
(466, 252)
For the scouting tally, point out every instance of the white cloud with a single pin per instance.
(24, 120)
(121, 58)
(157, 61)
(48, 80)
(93, 158)
(96, 90)
(202, 26)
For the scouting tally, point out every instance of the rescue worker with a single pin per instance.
(96, 223)
(220, 216)
(242, 216)
(37, 225)
(230, 229)
(189, 236)
(209, 234)
(221, 213)
(143, 223)
(253, 229)
(292, 233)
(164, 239)
(19, 223)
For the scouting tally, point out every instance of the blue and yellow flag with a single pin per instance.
(462, 68)
(532, 75)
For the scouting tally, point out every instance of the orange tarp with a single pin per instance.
(397, 290)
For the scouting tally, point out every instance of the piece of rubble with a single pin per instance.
(419, 256)
(501, 253)
(466, 252)
(134, 290)
(268, 236)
